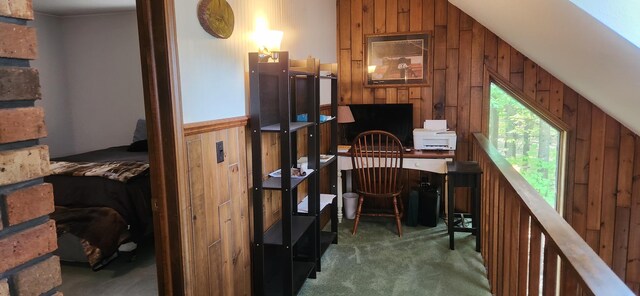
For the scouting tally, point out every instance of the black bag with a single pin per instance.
(412, 209)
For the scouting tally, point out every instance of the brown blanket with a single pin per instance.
(115, 170)
(101, 230)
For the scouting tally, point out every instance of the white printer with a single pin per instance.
(434, 136)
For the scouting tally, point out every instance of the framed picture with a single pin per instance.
(397, 59)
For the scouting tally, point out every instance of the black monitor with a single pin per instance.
(393, 118)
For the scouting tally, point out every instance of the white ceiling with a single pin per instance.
(573, 46)
(82, 7)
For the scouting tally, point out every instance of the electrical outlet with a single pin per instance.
(219, 152)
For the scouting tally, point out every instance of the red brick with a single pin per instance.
(37, 279)
(19, 248)
(4, 287)
(24, 164)
(29, 203)
(18, 42)
(22, 9)
(19, 84)
(21, 124)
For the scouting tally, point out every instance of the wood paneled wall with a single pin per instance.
(602, 199)
(216, 216)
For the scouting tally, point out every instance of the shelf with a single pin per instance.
(276, 183)
(301, 271)
(332, 118)
(325, 200)
(328, 162)
(300, 71)
(299, 224)
(329, 77)
(293, 126)
(326, 239)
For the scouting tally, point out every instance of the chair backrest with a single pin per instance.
(377, 161)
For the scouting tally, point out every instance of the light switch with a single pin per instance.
(219, 152)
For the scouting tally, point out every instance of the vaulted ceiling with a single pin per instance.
(573, 46)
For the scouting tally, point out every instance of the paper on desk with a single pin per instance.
(435, 125)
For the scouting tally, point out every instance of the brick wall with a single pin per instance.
(27, 235)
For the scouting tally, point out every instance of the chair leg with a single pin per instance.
(398, 223)
(355, 223)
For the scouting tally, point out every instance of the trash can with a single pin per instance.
(429, 205)
(350, 203)
(413, 208)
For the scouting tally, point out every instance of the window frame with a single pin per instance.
(531, 104)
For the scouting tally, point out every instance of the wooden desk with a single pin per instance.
(434, 161)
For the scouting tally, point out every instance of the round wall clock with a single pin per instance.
(216, 17)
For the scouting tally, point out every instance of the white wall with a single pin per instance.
(53, 81)
(98, 57)
(213, 71)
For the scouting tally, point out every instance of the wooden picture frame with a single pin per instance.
(399, 59)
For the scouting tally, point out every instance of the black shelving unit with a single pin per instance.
(326, 238)
(287, 253)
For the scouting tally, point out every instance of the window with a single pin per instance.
(532, 144)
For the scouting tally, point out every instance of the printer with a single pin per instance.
(434, 136)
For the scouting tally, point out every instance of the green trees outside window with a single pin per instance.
(527, 141)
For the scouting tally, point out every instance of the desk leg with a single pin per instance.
(339, 196)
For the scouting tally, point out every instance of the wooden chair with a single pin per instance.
(377, 161)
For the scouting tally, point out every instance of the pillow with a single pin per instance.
(141, 131)
(138, 146)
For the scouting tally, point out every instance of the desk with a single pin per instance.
(434, 161)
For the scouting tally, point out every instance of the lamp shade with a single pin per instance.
(345, 115)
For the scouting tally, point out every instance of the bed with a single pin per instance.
(96, 213)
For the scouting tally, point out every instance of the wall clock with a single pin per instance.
(216, 17)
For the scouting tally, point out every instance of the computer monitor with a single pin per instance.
(396, 119)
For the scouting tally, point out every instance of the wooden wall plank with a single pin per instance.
(356, 82)
(426, 104)
(392, 16)
(403, 22)
(18, 84)
(439, 93)
(440, 48)
(504, 59)
(392, 95)
(441, 13)
(466, 21)
(609, 189)
(491, 50)
(464, 86)
(530, 79)
(596, 165)
(452, 77)
(570, 116)
(633, 255)
(344, 81)
(344, 24)
(368, 17)
(625, 167)
(356, 30)
(477, 55)
(517, 61)
(21, 124)
(453, 27)
(415, 15)
(428, 15)
(380, 7)
(556, 93)
(18, 42)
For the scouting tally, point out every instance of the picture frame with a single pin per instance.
(398, 59)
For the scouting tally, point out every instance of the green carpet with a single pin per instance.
(377, 262)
